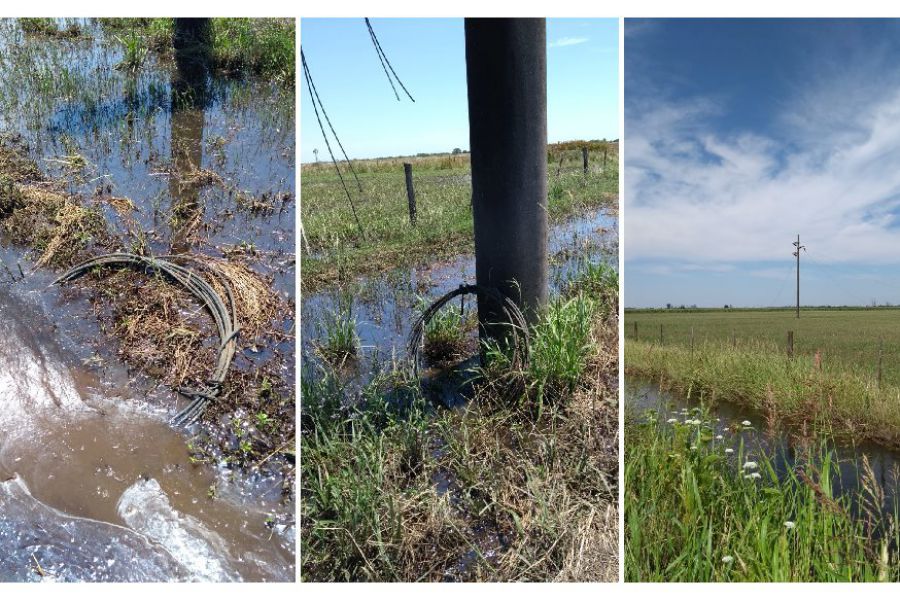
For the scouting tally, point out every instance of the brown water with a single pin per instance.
(81, 459)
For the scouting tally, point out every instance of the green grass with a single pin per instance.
(847, 339)
(335, 250)
(340, 341)
(445, 333)
(396, 489)
(692, 513)
(240, 46)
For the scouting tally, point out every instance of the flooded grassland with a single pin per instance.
(111, 141)
(458, 469)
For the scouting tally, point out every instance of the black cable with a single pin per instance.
(381, 58)
(315, 93)
(314, 96)
(381, 53)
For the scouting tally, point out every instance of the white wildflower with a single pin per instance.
(728, 559)
(729, 450)
(750, 465)
(746, 423)
(753, 475)
(719, 437)
(670, 421)
(789, 524)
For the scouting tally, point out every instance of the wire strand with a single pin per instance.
(390, 66)
(314, 96)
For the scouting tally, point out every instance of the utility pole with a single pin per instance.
(506, 72)
(797, 254)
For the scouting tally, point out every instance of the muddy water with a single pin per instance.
(644, 398)
(94, 484)
(386, 307)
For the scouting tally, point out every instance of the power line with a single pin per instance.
(384, 60)
(314, 96)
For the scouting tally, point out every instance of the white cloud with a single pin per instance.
(695, 195)
(568, 41)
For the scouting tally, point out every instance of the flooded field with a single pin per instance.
(96, 483)
(385, 447)
(786, 449)
(385, 308)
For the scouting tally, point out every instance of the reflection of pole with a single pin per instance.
(191, 43)
(506, 72)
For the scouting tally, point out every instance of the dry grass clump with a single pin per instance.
(258, 305)
(159, 326)
(54, 224)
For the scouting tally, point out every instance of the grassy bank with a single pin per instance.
(696, 513)
(791, 391)
(334, 249)
(395, 488)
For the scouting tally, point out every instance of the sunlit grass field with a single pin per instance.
(336, 246)
(846, 339)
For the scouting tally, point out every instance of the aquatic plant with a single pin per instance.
(134, 52)
(340, 341)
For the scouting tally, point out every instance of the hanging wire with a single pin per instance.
(384, 60)
(314, 95)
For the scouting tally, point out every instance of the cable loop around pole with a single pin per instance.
(515, 319)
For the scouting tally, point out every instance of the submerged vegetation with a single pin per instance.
(336, 248)
(700, 508)
(57, 208)
(397, 488)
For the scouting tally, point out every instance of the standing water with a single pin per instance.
(94, 483)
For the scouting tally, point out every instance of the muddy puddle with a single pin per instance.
(645, 399)
(95, 484)
(385, 308)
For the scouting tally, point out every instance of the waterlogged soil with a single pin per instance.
(95, 485)
(385, 308)
(644, 399)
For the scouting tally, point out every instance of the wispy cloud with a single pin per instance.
(568, 41)
(700, 196)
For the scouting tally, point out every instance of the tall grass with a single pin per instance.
(793, 391)
(693, 512)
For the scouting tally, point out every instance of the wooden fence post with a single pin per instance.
(660, 334)
(733, 340)
(790, 344)
(692, 343)
(880, 356)
(410, 192)
(584, 159)
(635, 330)
(605, 151)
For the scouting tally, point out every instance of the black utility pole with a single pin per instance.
(797, 254)
(506, 72)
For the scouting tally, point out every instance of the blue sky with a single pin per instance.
(740, 134)
(429, 57)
